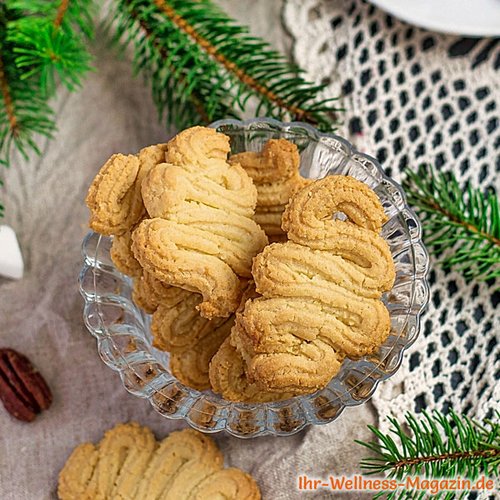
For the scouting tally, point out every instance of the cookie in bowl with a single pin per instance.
(319, 291)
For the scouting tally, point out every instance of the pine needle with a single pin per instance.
(461, 226)
(49, 40)
(23, 111)
(203, 66)
(434, 446)
(41, 43)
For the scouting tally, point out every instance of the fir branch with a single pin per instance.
(33, 44)
(41, 43)
(156, 46)
(61, 11)
(7, 99)
(436, 446)
(50, 41)
(162, 55)
(295, 111)
(194, 53)
(462, 226)
(23, 111)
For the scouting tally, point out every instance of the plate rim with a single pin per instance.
(453, 29)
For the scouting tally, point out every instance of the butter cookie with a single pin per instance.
(202, 236)
(275, 173)
(228, 378)
(122, 256)
(129, 464)
(149, 292)
(190, 364)
(226, 483)
(320, 291)
(114, 197)
(182, 459)
(110, 470)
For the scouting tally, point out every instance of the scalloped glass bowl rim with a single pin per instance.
(273, 126)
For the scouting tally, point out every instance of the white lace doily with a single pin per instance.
(413, 97)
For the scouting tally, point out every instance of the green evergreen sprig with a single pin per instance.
(50, 41)
(203, 66)
(23, 110)
(434, 446)
(461, 225)
(41, 43)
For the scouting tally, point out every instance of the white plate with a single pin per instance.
(464, 17)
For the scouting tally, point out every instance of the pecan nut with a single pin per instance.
(23, 390)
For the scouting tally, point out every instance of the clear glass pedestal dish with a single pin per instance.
(124, 338)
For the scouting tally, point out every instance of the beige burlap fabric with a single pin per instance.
(41, 315)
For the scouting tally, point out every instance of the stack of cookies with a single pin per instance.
(253, 321)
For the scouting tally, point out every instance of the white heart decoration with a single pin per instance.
(11, 260)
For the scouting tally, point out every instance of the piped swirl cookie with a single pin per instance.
(320, 291)
(190, 364)
(181, 460)
(275, 173)
(227, 483)
(228, 378)
(128, 464)
(191, 339)
(227, 370)
(122, 256)
(110, 470)
(178, 328)
(202, 236)
(149, 293)
(114, 197)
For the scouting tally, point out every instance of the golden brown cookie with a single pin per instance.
(202, 236)
(179, 325)
(122, 255)
(190, 364)
(149, 292)
(124, 453)
(181, 459)
(228, 378)
(227, 369)
(191, 339)
(114, 467)
(228, 484)
(320, 291)
(128, 464)
(77, 473)
(114, 197)
(275, 173)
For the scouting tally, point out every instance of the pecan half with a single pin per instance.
(23, 390)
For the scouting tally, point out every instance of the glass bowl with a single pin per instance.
(124, 338)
